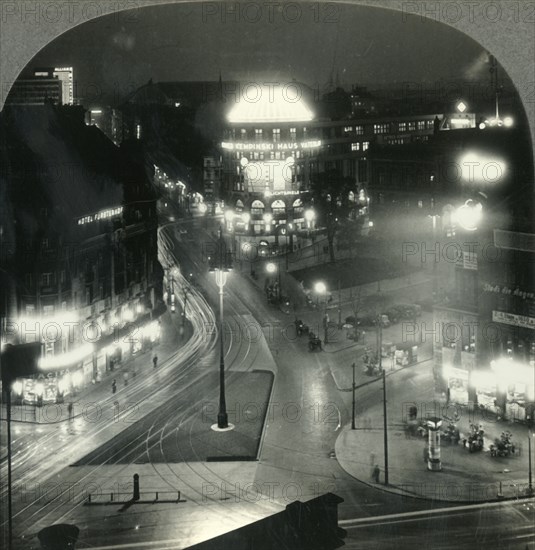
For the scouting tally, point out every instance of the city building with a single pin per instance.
(36, 90)
(269, 152)
(82, 262)
(65, 76)
(484, 345)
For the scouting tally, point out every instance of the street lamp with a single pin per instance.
(469, 215)
(321, 288)
(272, 268)
(221, 264)
(435, 285)
(530, 474)
(310, 216)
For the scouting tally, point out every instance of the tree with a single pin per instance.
(330, 193)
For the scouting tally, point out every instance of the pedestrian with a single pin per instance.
(114, 386)
(376, 472)
(155, 361)
(448, 395)
(70, 409)
(125, 378)
(426, 454)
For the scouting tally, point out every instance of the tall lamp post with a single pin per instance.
(321, 289)
(271, 268)
(221, 264)
(530, 472)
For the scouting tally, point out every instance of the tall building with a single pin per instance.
(269, 152)
(65, 76)
(35, 91)
(82, 250)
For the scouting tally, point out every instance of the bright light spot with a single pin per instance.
(229, 215)
(469, 215)
(370, 224)
(244, 161)
(482, 126)
(290, 161)
(267, 217)
(309, 215)
(202, 208)
(275, 104)
(246, 217)
(39, 389)
(461, 107)
(271, 267)
(66, 359)
(320, 287)
(508, 121)
(17, 387)
(76, 379)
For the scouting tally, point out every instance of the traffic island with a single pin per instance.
(464, 477)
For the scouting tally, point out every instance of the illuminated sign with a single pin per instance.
(102, 215)
(270, 146)
(513, 319)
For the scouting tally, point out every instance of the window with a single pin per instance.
(304, 132)
(257, 208)
(278, 155)
(138, 131)
(293, 133)
(412, 126)
(48, 311)
(278, 207)
(258, 134)
(359, 130)
(365, 145)
(380, 128)
(272, 155)
(421, 125)
(348, 129)
(276, 135)
(46, 279)
(355, 146)
(402, 126)
(255, 155)
(430, 124)
(29, 280)
(243, 133)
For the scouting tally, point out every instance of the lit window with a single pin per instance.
(293, 133)
(412, 126)
(421, 125)
(276, 135)
(355, 146)
(348, 129)
(359, 130)
(138, 131)
(258, 134)
(365, 145)
(243, 133)
(380, 128)
(402, 126)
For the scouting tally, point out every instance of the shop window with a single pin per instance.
(293, 134)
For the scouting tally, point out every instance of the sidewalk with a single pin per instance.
(100, 392)
(465, 477)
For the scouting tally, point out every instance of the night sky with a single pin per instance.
(368, 46)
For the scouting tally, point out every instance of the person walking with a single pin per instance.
(155, 361)
(125, 378)
(426, 454)
(114, 386)
(70, 410)
(376, 472)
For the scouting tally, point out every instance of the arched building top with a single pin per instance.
(271, 104)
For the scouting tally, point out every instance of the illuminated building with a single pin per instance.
(83, 255)
(269, 152)
(65, 76)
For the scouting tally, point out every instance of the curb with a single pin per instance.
(263, 434)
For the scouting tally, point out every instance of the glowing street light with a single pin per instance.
(221, 264)
(469, 215)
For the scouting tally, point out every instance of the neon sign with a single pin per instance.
(102, 215)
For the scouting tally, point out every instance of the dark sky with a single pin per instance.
(119, 52)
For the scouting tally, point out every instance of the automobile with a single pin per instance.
(394, 314)
(371, 320)
(409, 311)
(183, 231)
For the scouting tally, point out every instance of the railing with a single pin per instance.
(124, 498)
